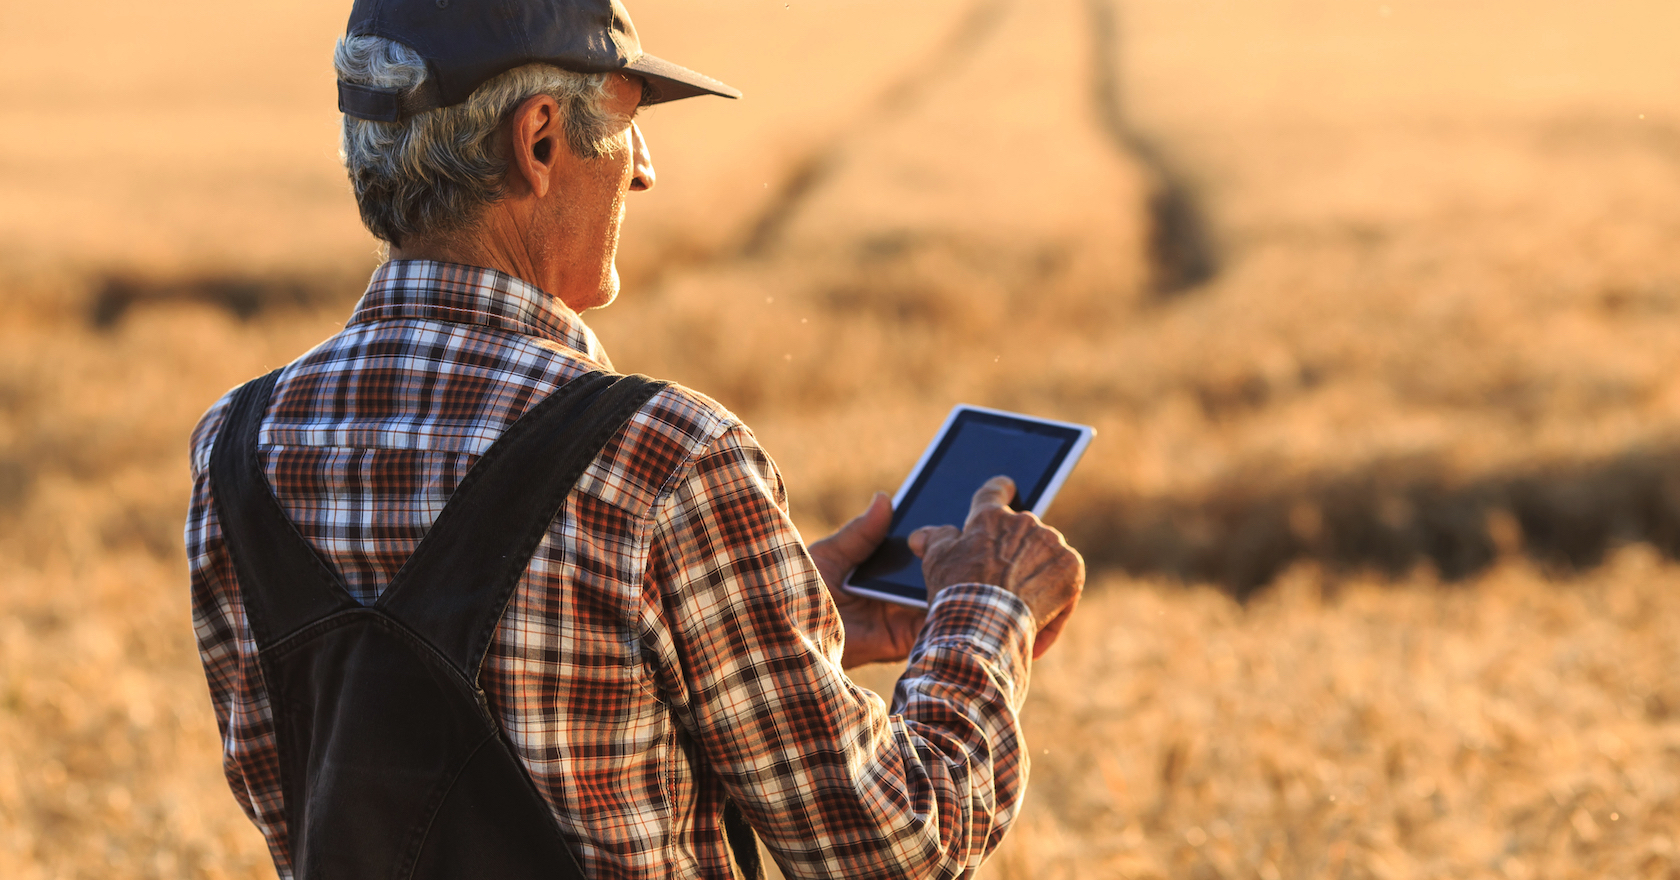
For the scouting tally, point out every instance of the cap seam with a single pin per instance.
(524, 38)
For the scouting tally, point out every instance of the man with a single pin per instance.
(672, 648)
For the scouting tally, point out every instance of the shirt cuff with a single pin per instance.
(986, 620)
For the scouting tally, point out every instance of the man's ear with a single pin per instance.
(537, 133)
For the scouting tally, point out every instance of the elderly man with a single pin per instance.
(458, 619)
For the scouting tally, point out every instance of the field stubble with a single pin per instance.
(1429, 397)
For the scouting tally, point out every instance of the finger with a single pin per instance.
(858, 538)
(931, 536)
(995, 494)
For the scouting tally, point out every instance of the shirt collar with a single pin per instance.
(433, 291)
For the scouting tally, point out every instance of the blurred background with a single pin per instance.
(1375, 305)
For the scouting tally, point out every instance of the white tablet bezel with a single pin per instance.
(1084, 433)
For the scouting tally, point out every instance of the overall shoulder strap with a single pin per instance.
(453, 590)
(283, 582)
(455, 587)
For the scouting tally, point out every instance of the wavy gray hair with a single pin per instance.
(432, 174)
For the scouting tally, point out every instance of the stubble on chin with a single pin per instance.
(609, 287)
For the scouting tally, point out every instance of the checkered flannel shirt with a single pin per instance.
(671, 645)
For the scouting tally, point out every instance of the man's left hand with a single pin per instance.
(876, 631)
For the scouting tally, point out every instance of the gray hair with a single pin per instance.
(432, 174)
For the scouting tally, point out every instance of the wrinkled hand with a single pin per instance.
(876, 631)
(1009, 549)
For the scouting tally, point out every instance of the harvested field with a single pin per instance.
(1376, 307)
(1364, 728)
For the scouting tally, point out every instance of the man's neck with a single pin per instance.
(472, 247)
(496, 239)
(510, 237)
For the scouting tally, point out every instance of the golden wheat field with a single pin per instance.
(1376, 307)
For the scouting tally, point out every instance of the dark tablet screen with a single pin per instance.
(979, 446)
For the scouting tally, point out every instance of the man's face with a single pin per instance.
(579, 229)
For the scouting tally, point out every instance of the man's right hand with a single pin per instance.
(1008, 549)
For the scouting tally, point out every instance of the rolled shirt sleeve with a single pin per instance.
(746, 644)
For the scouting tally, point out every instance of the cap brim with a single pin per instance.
(673, 82)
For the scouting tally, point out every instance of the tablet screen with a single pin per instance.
(978, 446)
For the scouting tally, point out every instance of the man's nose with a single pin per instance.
(645, 176)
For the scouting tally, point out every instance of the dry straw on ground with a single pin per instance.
(1522, 728)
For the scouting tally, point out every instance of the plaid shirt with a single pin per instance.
(671, 645)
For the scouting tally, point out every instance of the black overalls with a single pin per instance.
(391, 763)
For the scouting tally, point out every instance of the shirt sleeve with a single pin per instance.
(228, 651)
(835, 784)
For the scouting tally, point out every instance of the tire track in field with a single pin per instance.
(979, 23)
(1179, 248)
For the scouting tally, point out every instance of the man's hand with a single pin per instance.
(1005, 548)
(876, 631)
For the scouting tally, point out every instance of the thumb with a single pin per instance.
(858, 538)
(929, 539)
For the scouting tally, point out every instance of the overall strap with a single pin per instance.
(454, 588)
(283, 582)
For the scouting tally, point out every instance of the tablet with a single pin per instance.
(974, 445)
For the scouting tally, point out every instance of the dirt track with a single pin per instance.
(1346, 287)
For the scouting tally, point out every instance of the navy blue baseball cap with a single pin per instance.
(467, 42)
